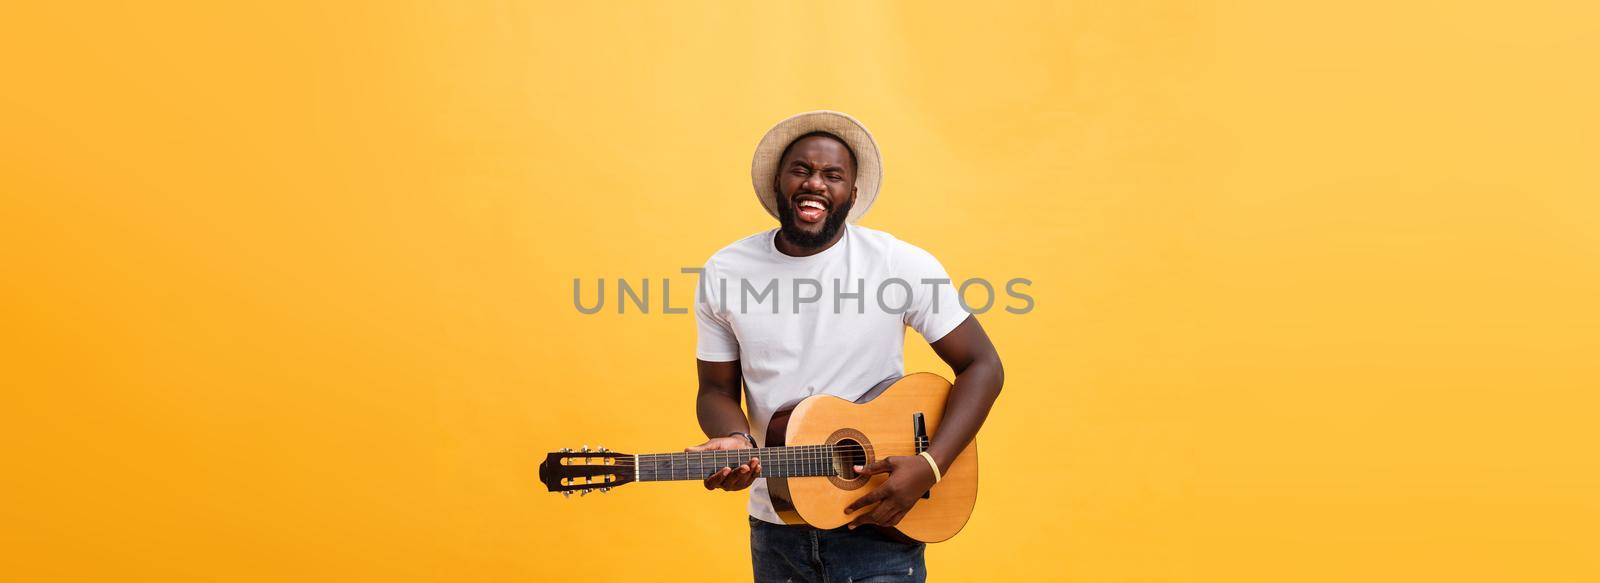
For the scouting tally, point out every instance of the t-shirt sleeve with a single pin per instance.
(715, 340)
(935, 307)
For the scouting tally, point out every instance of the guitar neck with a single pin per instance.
(776, 462)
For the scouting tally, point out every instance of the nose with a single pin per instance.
(813, 183)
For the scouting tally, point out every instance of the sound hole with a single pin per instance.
(850, 448)
(847, 454)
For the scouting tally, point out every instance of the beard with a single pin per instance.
(789, 225)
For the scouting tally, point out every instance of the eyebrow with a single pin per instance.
(828, 168)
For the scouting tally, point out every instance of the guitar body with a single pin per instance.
(881, 424)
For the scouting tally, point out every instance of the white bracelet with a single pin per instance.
(936, 475)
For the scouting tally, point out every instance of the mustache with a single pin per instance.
(800, 197)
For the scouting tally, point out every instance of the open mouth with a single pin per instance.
(811, 209)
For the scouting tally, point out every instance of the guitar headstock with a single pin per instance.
(583, 471)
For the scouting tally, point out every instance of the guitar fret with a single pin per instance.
(776, 462)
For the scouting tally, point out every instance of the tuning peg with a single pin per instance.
(583, 493)
(604, 490)
(566, 450)
(603, 449)
(566, 494)
(585, 448)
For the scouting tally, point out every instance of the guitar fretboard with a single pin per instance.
(776, 462)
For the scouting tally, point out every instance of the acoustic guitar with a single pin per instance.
(811, 447)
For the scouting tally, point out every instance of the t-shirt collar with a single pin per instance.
(772, 247)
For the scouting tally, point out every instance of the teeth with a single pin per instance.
(812, 204)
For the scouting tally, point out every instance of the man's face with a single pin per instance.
(816, 188)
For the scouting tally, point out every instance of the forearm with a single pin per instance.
(976, 388)
(720, 414)
(717, 405)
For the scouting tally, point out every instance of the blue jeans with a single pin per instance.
(801, 554)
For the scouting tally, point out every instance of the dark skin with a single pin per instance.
(815, 168)
(820, 168)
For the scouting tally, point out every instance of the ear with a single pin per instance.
(852, 194)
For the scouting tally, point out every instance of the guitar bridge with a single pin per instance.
(919, 433)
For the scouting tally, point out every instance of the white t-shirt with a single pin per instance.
(832, 323)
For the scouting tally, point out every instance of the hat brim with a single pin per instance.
(869, 167)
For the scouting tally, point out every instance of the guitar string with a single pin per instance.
(695, 462)
(794, 467)
(837, 444)
(777, 453)
(733, 451)
(695, 457)
(784, 453)
(871, 443)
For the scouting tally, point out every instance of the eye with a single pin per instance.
(835, 177)
(799, 172)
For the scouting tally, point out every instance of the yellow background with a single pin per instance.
(287, 286)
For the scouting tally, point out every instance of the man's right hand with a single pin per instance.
(730, 479)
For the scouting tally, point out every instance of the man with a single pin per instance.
(817, 173)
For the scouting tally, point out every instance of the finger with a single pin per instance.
(750, 466)
(871, 498)
(755, 466)
(715, 480)
(893, 520)
(891, 516)
(888, 513)
(746, 479)
(865, 518)
(871, 468)
(877, 467)
(701, 447)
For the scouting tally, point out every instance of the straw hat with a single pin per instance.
(869, 167)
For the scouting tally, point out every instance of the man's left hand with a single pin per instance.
(909, 477)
